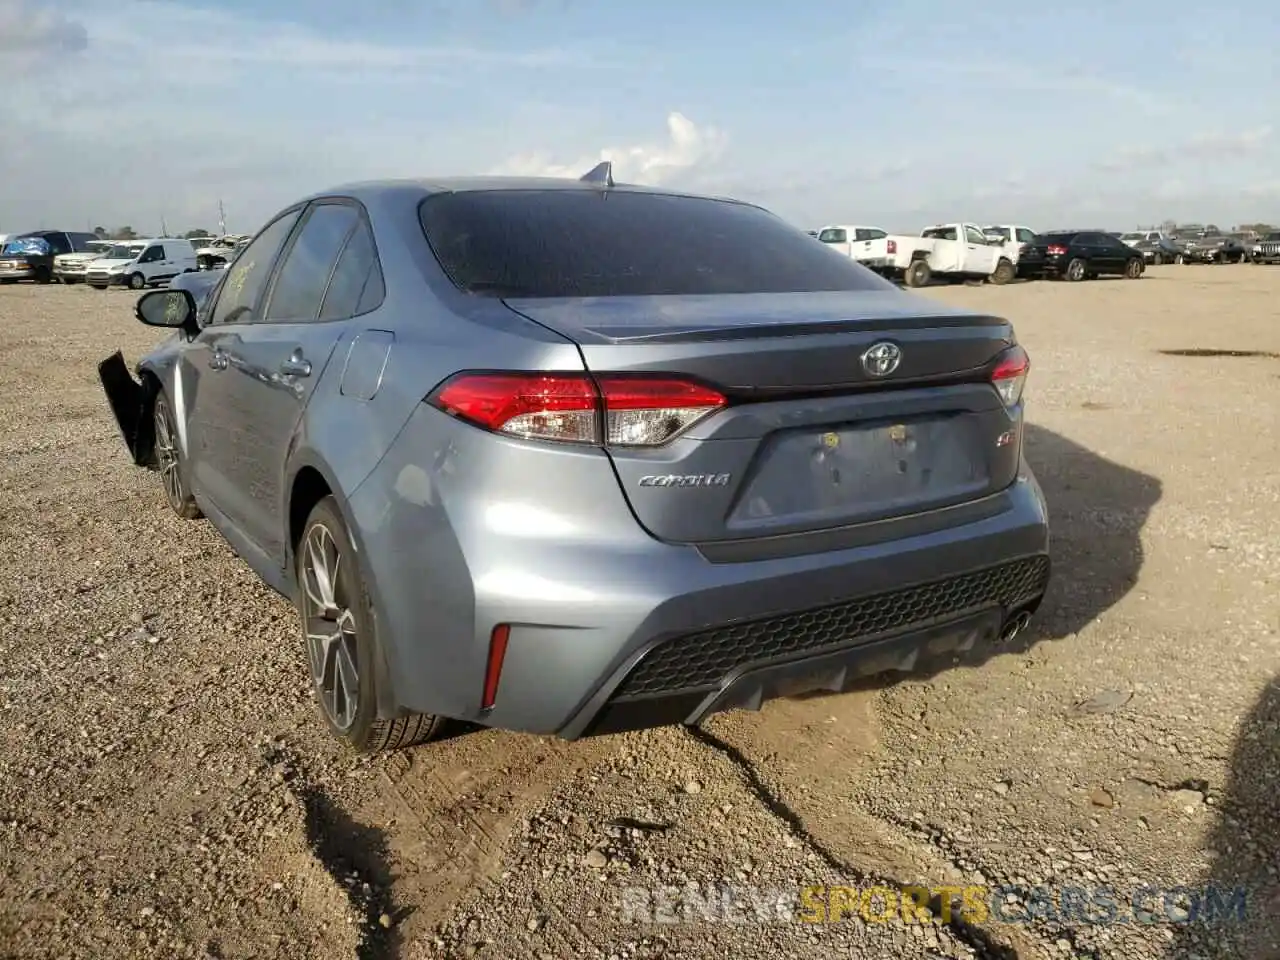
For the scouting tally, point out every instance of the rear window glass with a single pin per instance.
(579, 243)
(833, 236)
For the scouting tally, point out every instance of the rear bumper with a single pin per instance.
(452, 545)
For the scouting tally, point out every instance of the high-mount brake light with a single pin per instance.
(1010, 375)
(616, 410)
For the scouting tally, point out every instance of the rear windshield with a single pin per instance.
(578, 243)
(833, 236)
(1002, 232)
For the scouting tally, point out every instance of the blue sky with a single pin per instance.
(897, 114)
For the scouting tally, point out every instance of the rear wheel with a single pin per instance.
(1133, 269)
(1077, 270)
(917, 274)
(43, 275)
(1004, 273)
(1157, 260)
(168, 454)
(1179, 259)
(338, 627)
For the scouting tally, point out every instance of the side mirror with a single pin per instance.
(167, 308)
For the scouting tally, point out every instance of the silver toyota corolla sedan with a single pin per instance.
(574, 457)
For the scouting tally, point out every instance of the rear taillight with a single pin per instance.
(616, 410)
(891, 246)
(1010, 375)
(1056, 250)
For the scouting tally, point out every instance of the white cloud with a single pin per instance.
(687, 147)
(27, 27)
(1220, 146)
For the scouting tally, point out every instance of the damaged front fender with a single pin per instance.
(130, 403)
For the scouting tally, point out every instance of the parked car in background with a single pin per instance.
(1216, 248)
(1015, 237)
(958, 251)
(72, 267)
(30, 255)
(1085, 254)
(1267, 249)
(1155, 246)
(142, 263)
(217, 252)
(857, 243)
(531, 460)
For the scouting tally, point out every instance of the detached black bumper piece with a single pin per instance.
(128, 401)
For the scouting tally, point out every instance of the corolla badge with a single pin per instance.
(685, 480)
(881, 359)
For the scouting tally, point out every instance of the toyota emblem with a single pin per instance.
(881, 359)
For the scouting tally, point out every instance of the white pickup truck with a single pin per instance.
(951, 250)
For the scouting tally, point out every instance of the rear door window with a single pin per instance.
(299, 289)
(833, 236)
(356, 286)
(609, 243)
(1025, 235)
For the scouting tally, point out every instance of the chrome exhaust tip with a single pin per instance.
(1014, 627)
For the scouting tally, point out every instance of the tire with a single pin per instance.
(43, 276)
(1077, 270)
(1133, 269)
(1180, 260)
(1005, 272)
(917, 274)
(1158, 260)
(340, 639)
(137, 281)
(169, 463)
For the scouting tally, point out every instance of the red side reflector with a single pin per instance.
(493, 672)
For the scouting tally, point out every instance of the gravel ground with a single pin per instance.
(166, 789)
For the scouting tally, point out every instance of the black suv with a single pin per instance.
(29, 256)
(1081, 255)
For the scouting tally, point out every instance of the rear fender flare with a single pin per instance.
(388, 702)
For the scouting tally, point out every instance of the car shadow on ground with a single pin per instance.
(358, 858)
(1097, 509)
(1238, 914)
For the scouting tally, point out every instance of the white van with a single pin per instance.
(138, 264)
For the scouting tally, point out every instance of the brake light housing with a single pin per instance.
(611, 410)
(891, 246)
(1056, 250)
(1009, 376)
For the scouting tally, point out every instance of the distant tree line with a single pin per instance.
(128, 233)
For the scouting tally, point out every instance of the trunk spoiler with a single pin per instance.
(128, 400)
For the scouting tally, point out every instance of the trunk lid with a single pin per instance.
(810, 439)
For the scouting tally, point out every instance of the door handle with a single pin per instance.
(296, 366)
(218, 361)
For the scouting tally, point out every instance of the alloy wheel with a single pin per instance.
(330, 628)
(166, 451)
